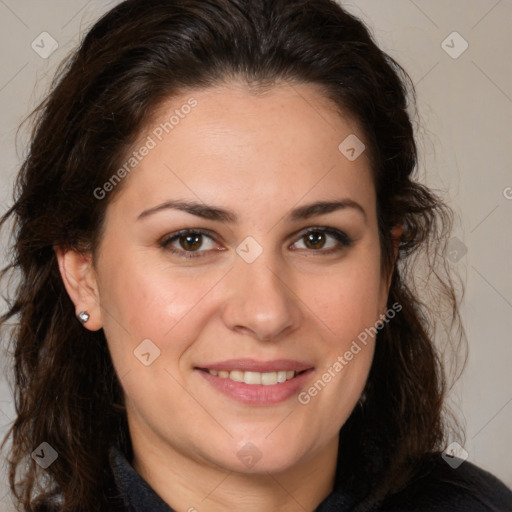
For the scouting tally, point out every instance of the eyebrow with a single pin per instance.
(219, 214)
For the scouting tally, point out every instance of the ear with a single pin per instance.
(396, 234)
(79, 279)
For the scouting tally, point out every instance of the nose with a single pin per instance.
(261, 301)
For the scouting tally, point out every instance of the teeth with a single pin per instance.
(281, 376)
(251, 377)
(254, 378)
(269, 379)
(236, 375)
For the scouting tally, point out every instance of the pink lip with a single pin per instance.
(250, 365)
(258, 394)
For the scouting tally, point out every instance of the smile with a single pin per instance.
(257, 383)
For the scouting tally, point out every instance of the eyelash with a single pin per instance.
(340, 236)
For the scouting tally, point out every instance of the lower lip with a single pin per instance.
(257, 394)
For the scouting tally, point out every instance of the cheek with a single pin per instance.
(157, 303)
(346, 312)
(347, 300)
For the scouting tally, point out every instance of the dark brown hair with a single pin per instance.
(135, 57)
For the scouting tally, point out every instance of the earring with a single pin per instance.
(83, 316)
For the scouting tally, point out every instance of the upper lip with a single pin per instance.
(250, 365)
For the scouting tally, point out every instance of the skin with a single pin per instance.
(294, 301)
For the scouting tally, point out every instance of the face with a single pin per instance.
(231, 325)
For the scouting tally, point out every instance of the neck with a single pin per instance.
(197, 485)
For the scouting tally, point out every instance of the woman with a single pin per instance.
(213, 232)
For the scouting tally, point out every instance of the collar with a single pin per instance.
(135, 492)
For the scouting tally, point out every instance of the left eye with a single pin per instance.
(192, 240)
(317, 236)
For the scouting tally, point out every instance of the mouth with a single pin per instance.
(257, 383)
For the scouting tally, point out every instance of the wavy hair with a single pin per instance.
(137, 56)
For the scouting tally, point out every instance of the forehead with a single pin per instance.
(227, 144)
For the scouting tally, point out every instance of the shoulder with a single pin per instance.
(439, 487)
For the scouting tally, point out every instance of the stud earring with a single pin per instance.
(83, 316)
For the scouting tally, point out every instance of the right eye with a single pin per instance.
(190, 241)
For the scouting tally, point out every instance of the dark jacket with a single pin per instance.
(440, 489)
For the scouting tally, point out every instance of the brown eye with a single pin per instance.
(191, 242)
(187, 243)
(316, 239)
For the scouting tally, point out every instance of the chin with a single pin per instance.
(259, 457)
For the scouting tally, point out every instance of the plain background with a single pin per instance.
(465, 107)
